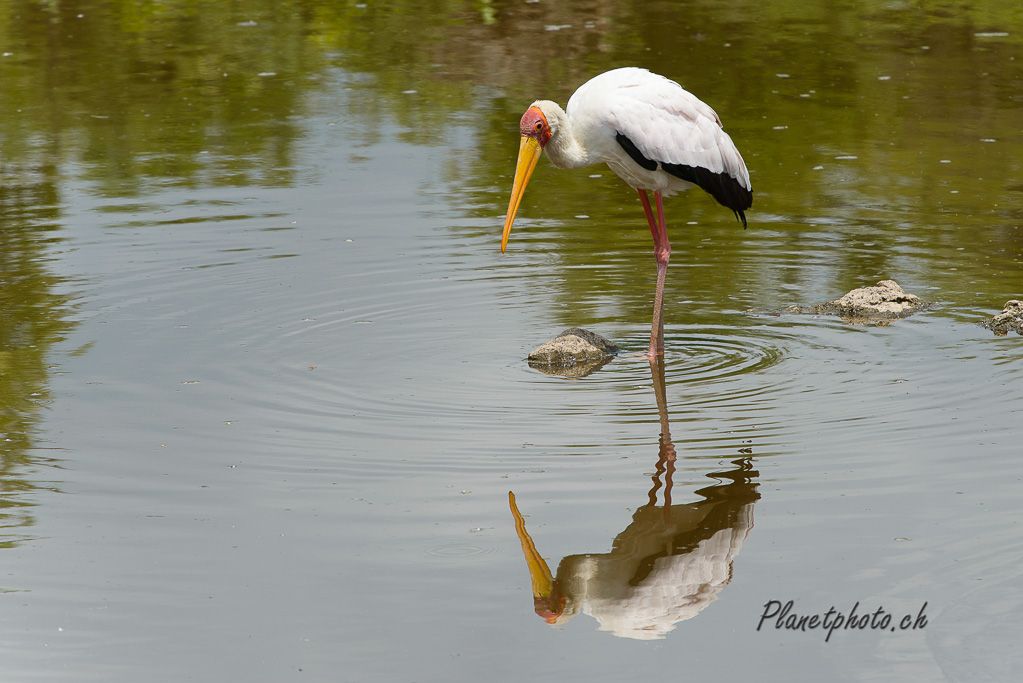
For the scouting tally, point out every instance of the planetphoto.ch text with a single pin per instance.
(780, 616)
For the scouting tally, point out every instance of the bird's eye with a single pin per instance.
(539, 126)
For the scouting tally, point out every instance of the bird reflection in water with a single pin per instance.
(670, 563)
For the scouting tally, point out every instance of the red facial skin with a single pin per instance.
(534, 125)
(550, 607)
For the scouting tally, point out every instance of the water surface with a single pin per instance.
(263, 388)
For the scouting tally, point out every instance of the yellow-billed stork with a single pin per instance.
(654, 135)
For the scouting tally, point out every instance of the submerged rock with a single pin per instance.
(880, 304)
(1009, 320)
(573, 353)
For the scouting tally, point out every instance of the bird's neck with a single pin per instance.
(565, 149)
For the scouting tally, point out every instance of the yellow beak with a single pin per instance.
(529, 154)
(539, 572)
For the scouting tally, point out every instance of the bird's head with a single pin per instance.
(536, 132)
(534, 125)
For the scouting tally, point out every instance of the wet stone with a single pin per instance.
(879, 305)
(1009, 320)
(573, 353)
(884, 301)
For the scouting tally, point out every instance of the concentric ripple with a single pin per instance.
(725, 365)
(721, 354)
(457, 553)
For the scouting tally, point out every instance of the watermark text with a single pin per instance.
(780, 616)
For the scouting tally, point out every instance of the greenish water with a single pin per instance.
(262, 389)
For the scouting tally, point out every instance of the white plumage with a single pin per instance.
(653, 134)
(664, 121)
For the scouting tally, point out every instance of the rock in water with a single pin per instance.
(885, 301)
(574, 353)
(880, 304)
(1009, 320)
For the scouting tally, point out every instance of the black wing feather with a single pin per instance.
(721, 186)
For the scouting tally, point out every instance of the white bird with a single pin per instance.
(654, 135)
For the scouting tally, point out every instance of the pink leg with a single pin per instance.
(662, 251)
